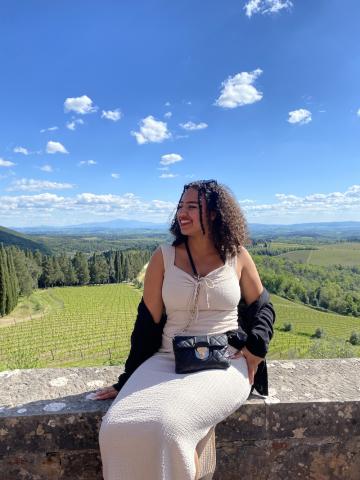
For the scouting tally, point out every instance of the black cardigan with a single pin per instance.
(255, 327)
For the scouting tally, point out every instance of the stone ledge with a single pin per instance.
(308, 427)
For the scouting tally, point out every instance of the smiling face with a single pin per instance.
(188, 213)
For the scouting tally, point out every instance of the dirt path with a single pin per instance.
(24, 310)
(13, 320)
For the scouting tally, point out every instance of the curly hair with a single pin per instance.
(228, 230)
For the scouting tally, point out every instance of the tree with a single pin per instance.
(47, 278)
(24, 267)
(68, 270)
(58, 274)
(81, 268)
(99, 269)
(9, 287)
(13, 282)
(3, 286)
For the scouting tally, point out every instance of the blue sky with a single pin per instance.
(108, 108)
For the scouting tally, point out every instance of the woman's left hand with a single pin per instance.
(252, 362)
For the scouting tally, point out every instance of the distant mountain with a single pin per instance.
(97, 227)
(328, 230)
(10, 237)
(321, 230)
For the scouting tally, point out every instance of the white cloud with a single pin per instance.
(31, 185)
(167, 104)
(46, 168)
(193, 126)
(53, 209)
(358, 113)
(167, 175)
(6, 163)
(163, 168)
(151, 130)
(266, 6)
(313, 205)
(50, 129)
(113, 115)
(76, 121)
(301, 116)
(81, 105)
(115, 175)
(55, 147)
(87, 162)
(239, 90)
(22, 150)
(168, 114)
(170, 158)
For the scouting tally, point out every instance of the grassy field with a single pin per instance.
(300, 342)
(347, 254)
(88, 326)
(84, 326)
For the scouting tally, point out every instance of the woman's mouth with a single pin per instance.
(184, 223)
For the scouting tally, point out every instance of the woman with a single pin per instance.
(155, 423)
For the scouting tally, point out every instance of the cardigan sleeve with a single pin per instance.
(257, 320)
(145, 341)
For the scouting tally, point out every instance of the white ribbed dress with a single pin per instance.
(158, 418)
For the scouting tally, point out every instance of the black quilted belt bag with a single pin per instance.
(200, 352)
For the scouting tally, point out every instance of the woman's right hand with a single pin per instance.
(105, 393)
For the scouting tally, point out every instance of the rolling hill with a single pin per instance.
(11, 237)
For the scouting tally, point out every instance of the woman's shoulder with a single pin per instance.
(243, 257)
(165, 248)
(164, 253)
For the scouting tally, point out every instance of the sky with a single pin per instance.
(108, 108)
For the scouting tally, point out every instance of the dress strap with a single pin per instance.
(232, 262)
(167, 253)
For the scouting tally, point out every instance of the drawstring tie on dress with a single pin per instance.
(194, 309)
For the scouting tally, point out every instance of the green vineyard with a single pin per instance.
(91, 325)
(301, 341)
(346, 254)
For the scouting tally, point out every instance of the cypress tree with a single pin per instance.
(24, 266)
(81, 268)
(92, 269)
(47, 276)
(13, 282)
(7, 299)
(111, 265)
(117, 266)
(57, 272)
(2, 283)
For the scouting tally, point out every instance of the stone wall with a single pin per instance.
(308, 427)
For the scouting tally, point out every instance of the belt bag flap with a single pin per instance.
(210, 341)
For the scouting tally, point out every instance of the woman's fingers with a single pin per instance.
(251, 375)
(252, 363)
(237, 354)
(105, 393)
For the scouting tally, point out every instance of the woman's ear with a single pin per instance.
(212, 215)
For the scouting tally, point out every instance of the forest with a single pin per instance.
(22, 271)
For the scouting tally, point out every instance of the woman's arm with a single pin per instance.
(250, 283)
(147, 332)
(251, 289)
(153, 282)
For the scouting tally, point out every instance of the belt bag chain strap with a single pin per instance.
(199, 352)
